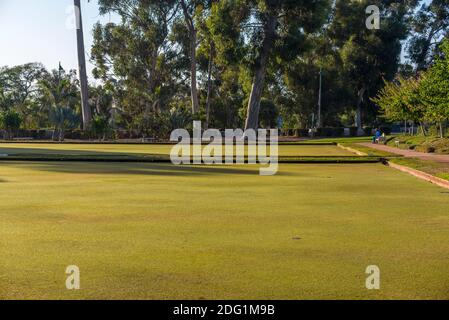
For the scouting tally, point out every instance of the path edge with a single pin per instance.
(419, 174)
(357, 152)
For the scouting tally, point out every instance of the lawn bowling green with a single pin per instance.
(159, 231)
(141, 149)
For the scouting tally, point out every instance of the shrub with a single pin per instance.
(430, 149)
(180, 118)
(11, 122)
(99, 127)
(154, 126)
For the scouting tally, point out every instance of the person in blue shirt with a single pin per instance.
(377, 136)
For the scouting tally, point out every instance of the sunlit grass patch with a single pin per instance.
(158, 231)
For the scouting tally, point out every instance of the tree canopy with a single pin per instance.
(259, 63)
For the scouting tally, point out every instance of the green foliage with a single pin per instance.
(10, 121)
(18, 90)
(63, 118)
(269, 114)
(180, 118)
(153, 126)
(435, 87)
(400, 100)
(99, 127)
(422, 143)
(369, 56)
(423, 99)
(59, 98)
(143, 64)
(134, 57)
(429, 25)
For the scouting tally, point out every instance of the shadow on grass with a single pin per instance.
(160, 169)
(65, 152)
(90, 162)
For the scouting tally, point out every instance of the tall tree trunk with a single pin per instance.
(441, 130)
(319, 122)
(209, 85)
(423, 129)
(421, 61)
(193, 44)
(252, 118)
(87, 113)
(359, 124)
(194, 89)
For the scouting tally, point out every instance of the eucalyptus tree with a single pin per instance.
(18, 88)
(369, 56)
(3, 91)
(189, 9)
(299, 83)
(429, 26)
(206, 56)
(135, 58)
(273, 31)
(84, 86)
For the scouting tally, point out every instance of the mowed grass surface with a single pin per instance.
(154, 149)
(157, 231)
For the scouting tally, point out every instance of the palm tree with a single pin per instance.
(87, 113)
(59, 96)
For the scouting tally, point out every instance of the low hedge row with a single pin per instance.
(77, 134)
(330, 132)
(166, 159)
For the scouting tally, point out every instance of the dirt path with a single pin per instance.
(442, 158)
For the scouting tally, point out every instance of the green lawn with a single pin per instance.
(421, 143)
(438, 169)
(339, 140)
(155, 149)
(370, 151)
(157, 231)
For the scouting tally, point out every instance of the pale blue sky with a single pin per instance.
(37, 30)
